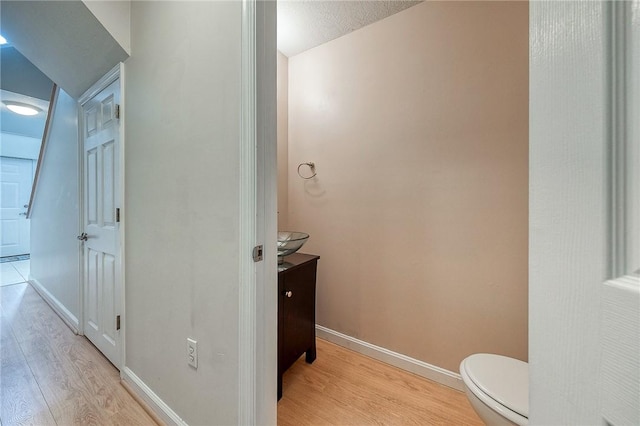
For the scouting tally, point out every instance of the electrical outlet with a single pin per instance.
(192, 353)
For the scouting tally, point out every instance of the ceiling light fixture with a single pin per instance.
(3, 40)
(21, 108)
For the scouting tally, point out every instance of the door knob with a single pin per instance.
(288, 293)
(22, 214)
(83, 237)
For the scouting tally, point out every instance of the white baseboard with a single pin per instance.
(428, 371)
(66, 316)
(144, 392)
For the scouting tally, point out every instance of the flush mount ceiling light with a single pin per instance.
(22, 108)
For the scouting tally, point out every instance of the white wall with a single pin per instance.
(115, 16)
(182, 112)
(54, 216)
(567, 210)
(19, 146)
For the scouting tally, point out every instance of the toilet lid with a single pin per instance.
(505, 380)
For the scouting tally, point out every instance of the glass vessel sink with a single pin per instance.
(289, 243)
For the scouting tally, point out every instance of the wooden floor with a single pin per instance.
(50, 376)
(345, 388)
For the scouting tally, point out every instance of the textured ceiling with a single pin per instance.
(303, 24)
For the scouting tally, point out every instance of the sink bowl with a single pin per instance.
(290, 242)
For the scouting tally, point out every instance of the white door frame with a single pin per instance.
(258, 307)
(115, 73)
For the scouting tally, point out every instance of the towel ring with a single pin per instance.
(312, 166)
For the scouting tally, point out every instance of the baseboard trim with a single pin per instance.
(428, 371)
(140, 390)
(142, 403)
(64, 314)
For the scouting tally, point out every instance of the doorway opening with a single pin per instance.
(25, 95)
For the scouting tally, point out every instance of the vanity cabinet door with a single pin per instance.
(298, 314)
(296, 311)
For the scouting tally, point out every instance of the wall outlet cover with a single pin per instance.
(192, 353)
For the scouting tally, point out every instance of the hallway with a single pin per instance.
(49, 375)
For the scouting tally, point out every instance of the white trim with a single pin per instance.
(100, 85)
(43, 149)
(266, 214)
(123, 316)
(428, 371)
(151, 398)
(80, 219)
(632, 148)
(247, 318)
(58, 308)
(623, 151)
(617, 125)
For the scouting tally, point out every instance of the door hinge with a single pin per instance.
(257, 253)
(118, 215)
(117, 111)
(118, 322)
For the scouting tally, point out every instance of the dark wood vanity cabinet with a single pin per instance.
(296, 311)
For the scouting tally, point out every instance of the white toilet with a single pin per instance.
(498, 388)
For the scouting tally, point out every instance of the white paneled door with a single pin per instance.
(102, 261)
(16, 177)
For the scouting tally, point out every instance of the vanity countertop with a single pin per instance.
(295, 260)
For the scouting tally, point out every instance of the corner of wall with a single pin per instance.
(115, 17)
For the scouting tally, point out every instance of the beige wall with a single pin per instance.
(283, 136)
(418, 128)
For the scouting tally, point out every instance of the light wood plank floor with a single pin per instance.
(50, 376)
(343, 387)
